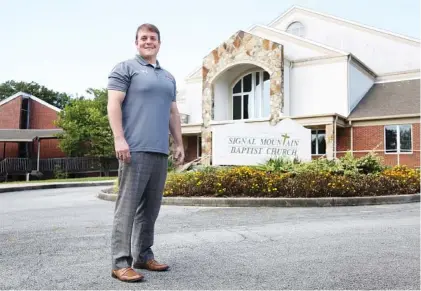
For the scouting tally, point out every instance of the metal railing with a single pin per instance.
(15, 165)
(68, 165)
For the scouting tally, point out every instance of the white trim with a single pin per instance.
(250, 61)
(348, 87)
(191, 128)
(344, 21)
(193, 73)
(398, 140)
(350, 58)
(193, 80)
(396, 80)
(191, 124)
(318, 61)
(317, 143)
(367, 151)
(362, 67)
(293, 7)
(411, 120)
(398, 76)
(299, 39)
(384, 117)
(232, 121)
(251, 95)
(26, 95)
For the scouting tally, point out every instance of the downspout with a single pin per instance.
(28, 114)
(289, 87)
(347, 84)
(352, 137)
(335, 137)
(38, 152)
(28, 123)
(347, 98)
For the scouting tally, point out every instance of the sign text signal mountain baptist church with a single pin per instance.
(253, 144)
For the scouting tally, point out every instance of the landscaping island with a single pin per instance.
(330, 182)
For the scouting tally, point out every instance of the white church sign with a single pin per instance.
(255, 143)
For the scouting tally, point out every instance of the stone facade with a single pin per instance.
(330, 141)
(241, 48)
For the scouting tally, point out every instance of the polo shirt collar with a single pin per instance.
(144, 62)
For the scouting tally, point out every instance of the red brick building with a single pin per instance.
(23, 120)
(386, 121)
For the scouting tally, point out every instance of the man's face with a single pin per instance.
(147, 43)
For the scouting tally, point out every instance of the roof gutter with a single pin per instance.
(384, 117)
(358, 62)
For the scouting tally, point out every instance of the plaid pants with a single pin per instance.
(141, 187)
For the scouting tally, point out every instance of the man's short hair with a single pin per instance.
(149, 27)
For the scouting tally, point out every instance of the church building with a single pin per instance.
(355, 88)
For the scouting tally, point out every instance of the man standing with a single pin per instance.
(142, 112)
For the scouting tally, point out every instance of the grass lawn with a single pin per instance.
(88, 179)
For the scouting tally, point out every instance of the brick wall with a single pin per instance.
(43, 117)
(343, 139)
(10, 119)
(366, 138)
(49, 148)
(10, 114)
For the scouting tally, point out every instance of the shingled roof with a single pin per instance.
(389, 99)
(26, 135)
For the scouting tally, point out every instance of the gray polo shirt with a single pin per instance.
(150, 92)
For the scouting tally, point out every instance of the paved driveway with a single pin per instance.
(60, 239)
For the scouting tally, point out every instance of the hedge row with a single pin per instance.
(317, 179)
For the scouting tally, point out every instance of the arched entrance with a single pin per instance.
(240, 49)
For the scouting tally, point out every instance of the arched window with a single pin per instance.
(296, 28)
(251, 96)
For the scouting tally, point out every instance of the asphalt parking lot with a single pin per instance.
(60, 239)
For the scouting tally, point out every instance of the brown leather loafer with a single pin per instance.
(151, 265)
(127, 275)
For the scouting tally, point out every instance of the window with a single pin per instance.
(296, 28)
(398, 138)
(318, 142)
(251, 96)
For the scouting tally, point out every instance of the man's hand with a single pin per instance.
(179, 155)
(122, 150)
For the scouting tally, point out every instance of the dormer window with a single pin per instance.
(296, 28)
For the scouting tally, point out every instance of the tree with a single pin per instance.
(86, 127)
(54, 98)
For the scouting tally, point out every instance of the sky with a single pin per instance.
(72, 45)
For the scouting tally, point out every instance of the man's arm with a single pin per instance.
(115, 100)
(175, 130)
(118, 82)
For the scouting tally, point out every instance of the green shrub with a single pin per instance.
(370, 163)
(171, 164)
(346, 165)
(279, 165)
(311, 182)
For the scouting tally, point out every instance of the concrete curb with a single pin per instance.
(280, 202)
(55, 186)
